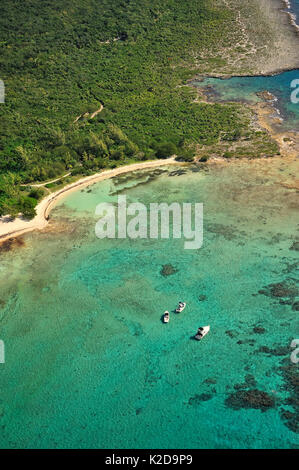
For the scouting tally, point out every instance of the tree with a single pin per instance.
(27, 207)
(165, 150)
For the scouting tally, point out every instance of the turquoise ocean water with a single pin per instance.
(89, 362)
(246, 89)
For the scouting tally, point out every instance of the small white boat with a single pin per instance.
(166, 317)
(180, 307)
(202, 331)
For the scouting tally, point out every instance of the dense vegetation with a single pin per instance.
(63, 59)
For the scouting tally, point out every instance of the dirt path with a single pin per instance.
(42, 185)
(87, 114)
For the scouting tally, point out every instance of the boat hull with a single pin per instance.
(205, 331)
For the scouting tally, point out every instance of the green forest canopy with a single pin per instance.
(61, 59)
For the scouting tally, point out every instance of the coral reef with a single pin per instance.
(168, 270)
(197, 399)
(253, 398)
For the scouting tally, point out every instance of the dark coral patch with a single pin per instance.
(254, 398)
(139, 178)
(291, 385)
(168, 270)
(202, 298)
(210, 381)
(278, 351)
(295, 246)
(196, 169)
(286, 302)
(177, 173)
(246, 341)
(284, 289)
(227, 231)
(259, 330)
(290, 267)
(248, 383)
(231, 333)
(10, 244)
(295, 306)
(291, 420)
(197, 399)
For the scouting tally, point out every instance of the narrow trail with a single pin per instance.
(86, 115)
(42, 185)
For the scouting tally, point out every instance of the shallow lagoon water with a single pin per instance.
(89, 362)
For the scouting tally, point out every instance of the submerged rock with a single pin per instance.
(168, 270)
(10, 244)
(295, 246)
(177, 173)
(266, 95)
(210, 381)
(284, 289)
(291, 385)
(197, 399)
(278, 351)
(254, 398)
(247, 341)
(231, 333)
(196, 169)
(249, 382)
(291, 420)
(290, 267)
(259, 330)
(229, 232)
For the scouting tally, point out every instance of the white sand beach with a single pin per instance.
(12, 228)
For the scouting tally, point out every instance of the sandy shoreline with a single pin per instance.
(19, 226)
(13, 228)
(287, 140)
(285, 56)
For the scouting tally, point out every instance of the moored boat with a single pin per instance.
(201, 332)
(166, 317)
(180, 307)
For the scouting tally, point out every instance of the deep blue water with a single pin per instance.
(295, 8)
(246, 89)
